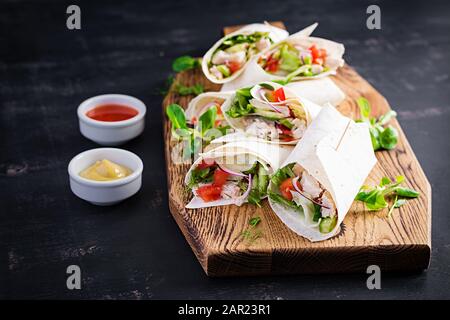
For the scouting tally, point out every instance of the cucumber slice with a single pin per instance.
(327, 224)
(224, 70)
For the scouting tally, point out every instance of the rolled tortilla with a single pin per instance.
(203, 102)
(239, 156)
(309, 111)
(275, 35)
(254, 73)
(338, 153)
(320, 91)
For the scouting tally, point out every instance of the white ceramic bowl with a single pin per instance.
(111, 133)
(105, 193)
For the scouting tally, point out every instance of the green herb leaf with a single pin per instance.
(176, 116)
(254, 221)
(185, 63)
(406, 192)
(388, 138)
(382, 138)
(364, 108)
(376, 198)
(183, 90)
(207, 119)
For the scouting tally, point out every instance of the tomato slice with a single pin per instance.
(194, 120)
(205, 164)
(286, 186)
(220, 177)
(279, 95)
(209, 192)
(272, 64)
(318, 55)
(233, 66)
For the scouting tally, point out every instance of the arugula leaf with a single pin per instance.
(183, 90)
(375, 198)
(382, 138)
(176, 116)
(185, 63)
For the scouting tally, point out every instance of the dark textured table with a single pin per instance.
(134, 250)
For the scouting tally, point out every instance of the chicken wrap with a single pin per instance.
(269, 112)
(296, 58)
(318, 182)
(229, 56)
(209, 102)
(234, 174)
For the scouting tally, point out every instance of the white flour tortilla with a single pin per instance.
(275, 34)
(311, 110)
(342, 172)
(320, 91)
(270, 155)
(254, 73)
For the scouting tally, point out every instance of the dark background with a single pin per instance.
(135, 250)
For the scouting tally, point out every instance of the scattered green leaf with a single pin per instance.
(382, 138)
(376, 198)
(185, 63)
(183, 90)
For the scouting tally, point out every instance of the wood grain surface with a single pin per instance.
(401, 242)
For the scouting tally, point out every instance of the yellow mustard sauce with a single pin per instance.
(105, 170)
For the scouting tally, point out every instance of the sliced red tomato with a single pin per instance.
(279, 95)
(318, 55)
(286, 138)
(194, 120)
(286, 186)
(272, 64)
(233, 66)
(217, 123)
(209, 192)
(220, 177)
(284, 130)
(219, 110)
(205, 164)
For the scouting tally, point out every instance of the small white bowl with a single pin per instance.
(111, 133)
(105, 193)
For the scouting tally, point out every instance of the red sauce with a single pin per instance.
(112, 112)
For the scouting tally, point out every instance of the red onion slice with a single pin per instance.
(294, 183)
(233, 173)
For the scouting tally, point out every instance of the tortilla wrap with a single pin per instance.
(254, 73)
(275, 34)
(310, 110)
(199, 104)
(338, 153)
(237, 154)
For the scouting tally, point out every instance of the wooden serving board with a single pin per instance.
(401, 242)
